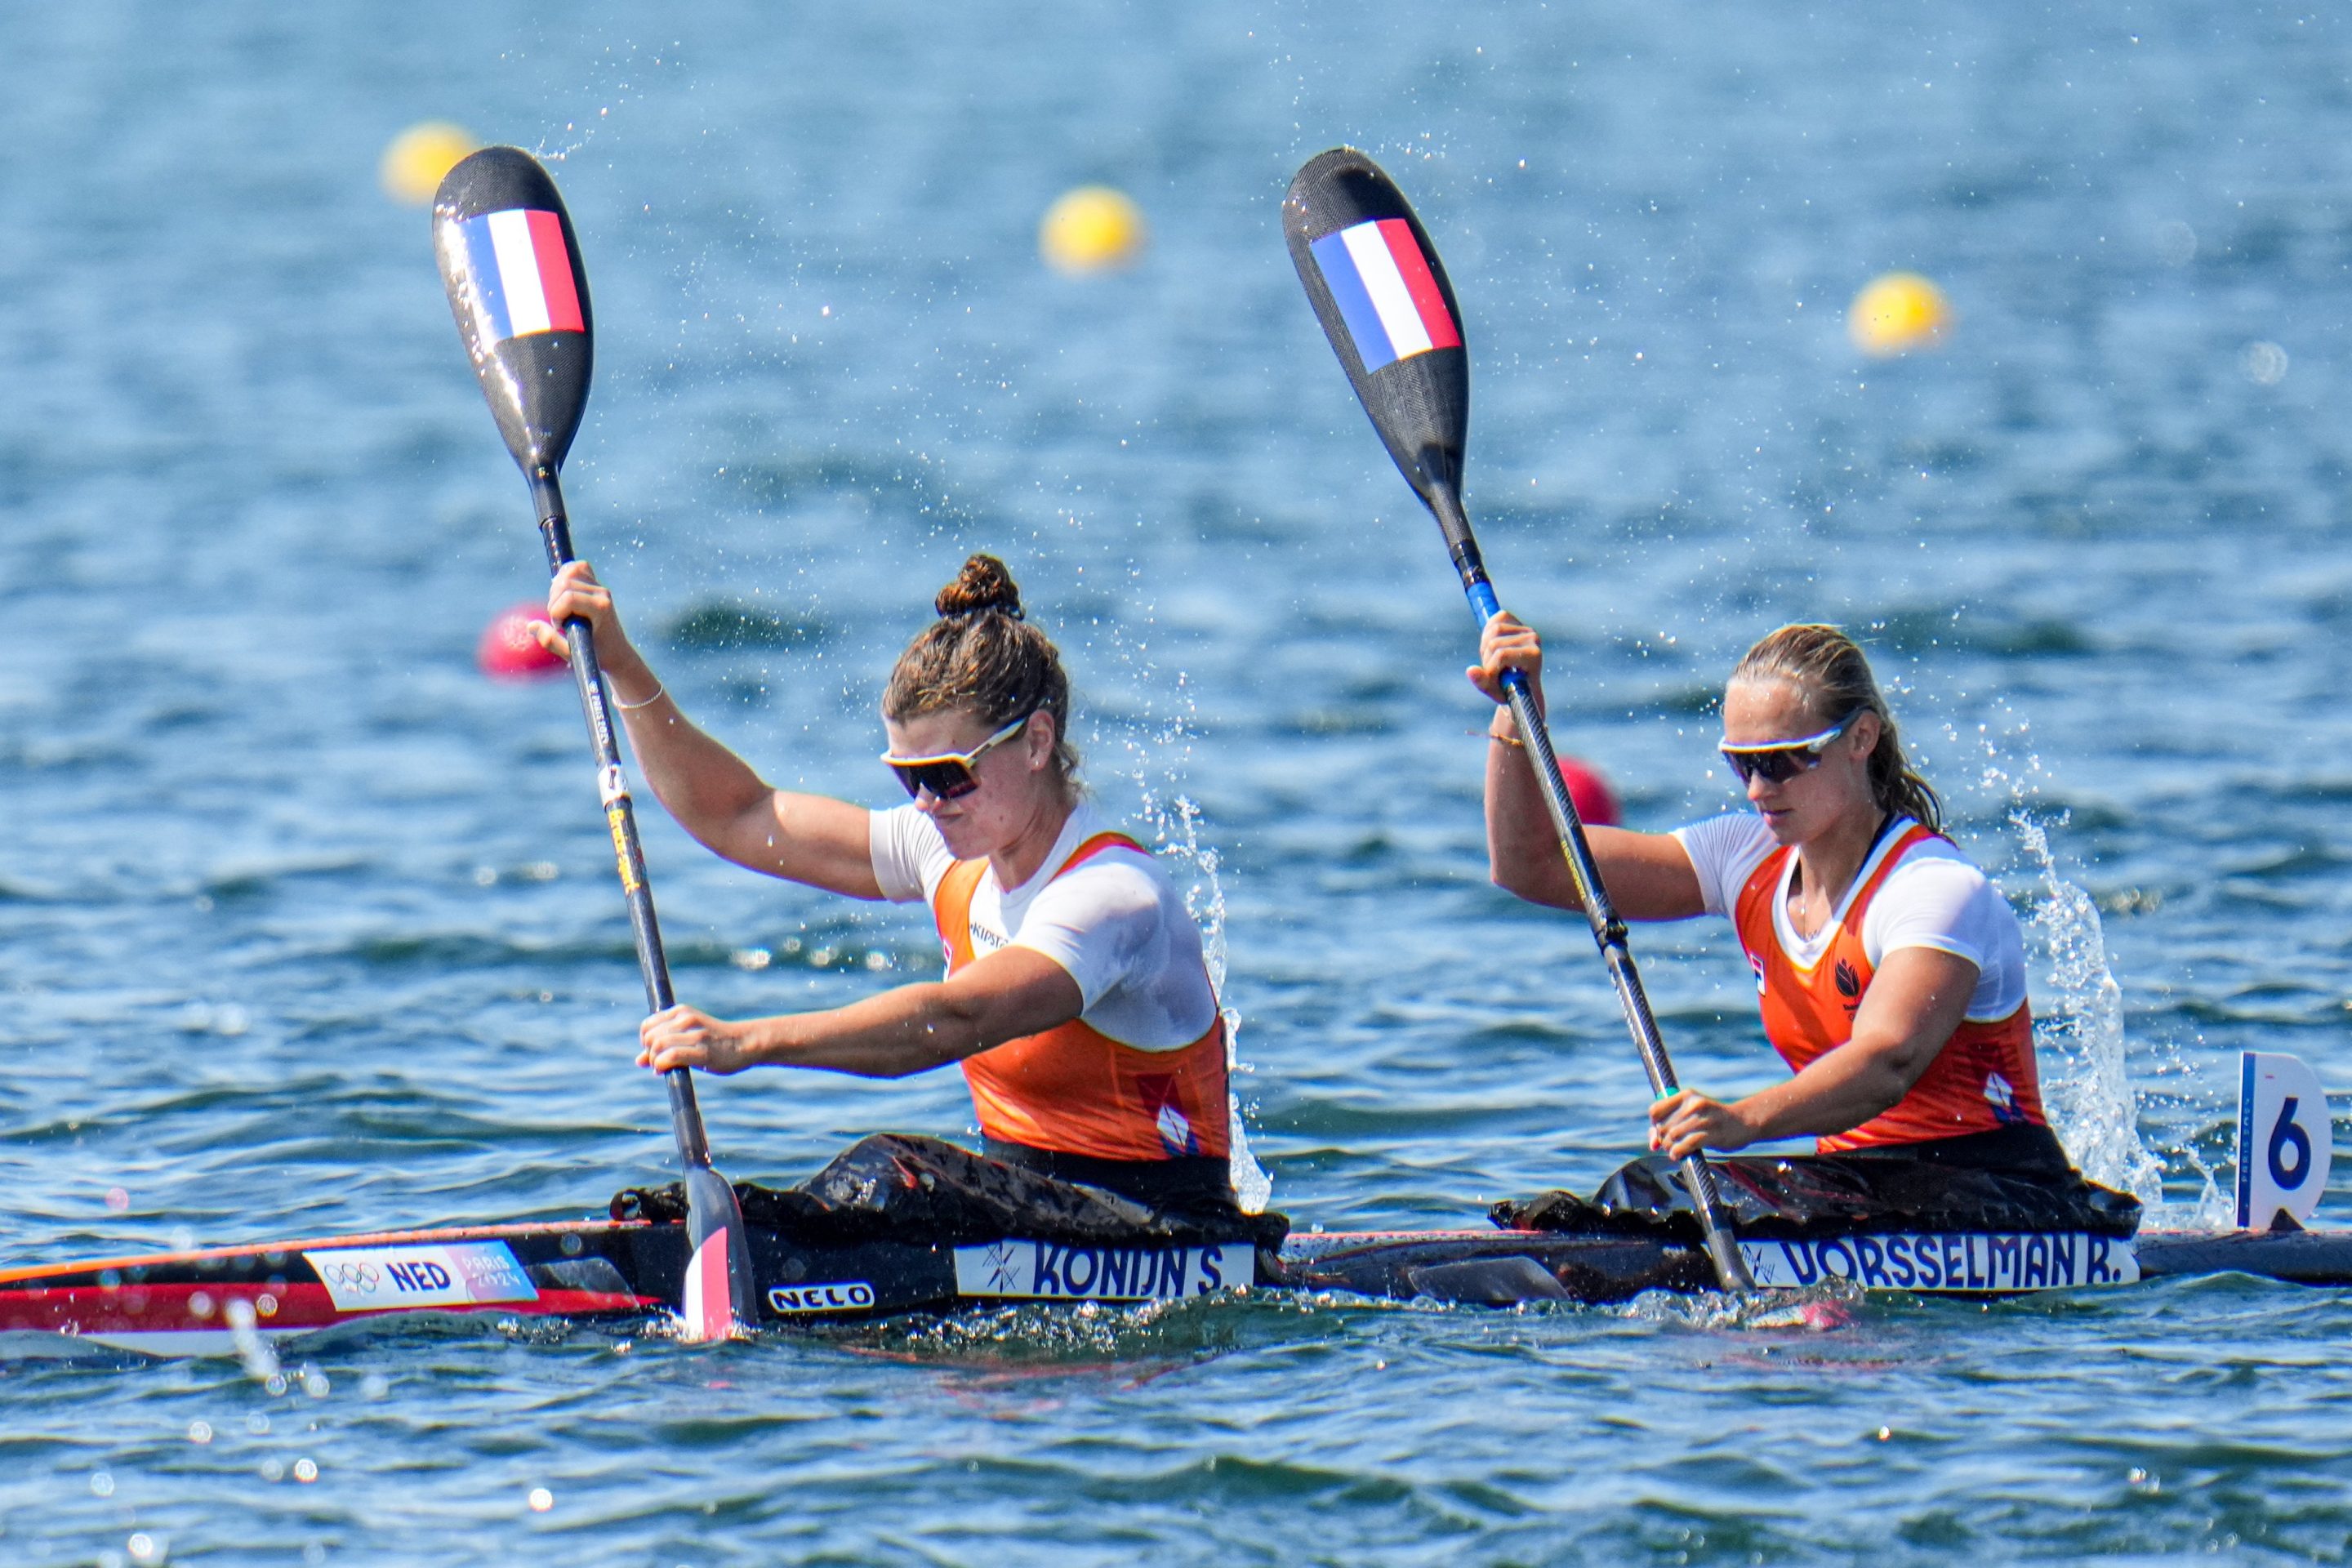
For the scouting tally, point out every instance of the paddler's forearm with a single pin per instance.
(1522, 854)
(1013, 992)
(901, 1032)
(1915, 1004)
(1838, 1091)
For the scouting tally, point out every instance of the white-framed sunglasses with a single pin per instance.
(948, 775)
(1778, 762)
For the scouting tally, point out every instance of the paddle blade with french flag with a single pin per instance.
(1382, 294)
(511, 266)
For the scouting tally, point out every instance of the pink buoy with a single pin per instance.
(1596, 803)
(509, 652)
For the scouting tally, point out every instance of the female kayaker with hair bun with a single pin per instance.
(1076, 998)
(1892, 971)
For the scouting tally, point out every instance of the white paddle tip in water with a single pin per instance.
(708, 1314)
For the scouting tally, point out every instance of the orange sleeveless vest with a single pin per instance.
(1985, 1077)
(1075, 1091)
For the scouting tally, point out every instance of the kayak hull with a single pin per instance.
(229, 1299)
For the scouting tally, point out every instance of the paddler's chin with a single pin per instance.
(964, 836)
(970, 834)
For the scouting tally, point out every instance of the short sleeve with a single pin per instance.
(1944, 904)
(909, 856)
(1103, 922)
(1724, 853)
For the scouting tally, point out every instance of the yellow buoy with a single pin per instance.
(1897, 313)
(1092, 229)
(419, 156)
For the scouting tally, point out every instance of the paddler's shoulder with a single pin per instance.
(1934, 879)
(1089, 839)
(1925, 849)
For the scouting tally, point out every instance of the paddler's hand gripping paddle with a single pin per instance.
(1382, 294)
(511, 266)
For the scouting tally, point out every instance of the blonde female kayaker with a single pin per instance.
(1075, 997)
(1890, 969)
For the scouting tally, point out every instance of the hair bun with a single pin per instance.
(983, 584)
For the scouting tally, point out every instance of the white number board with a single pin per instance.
(2285, 1141)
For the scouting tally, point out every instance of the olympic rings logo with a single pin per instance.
(351, 1276)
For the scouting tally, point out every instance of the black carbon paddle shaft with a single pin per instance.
(620, 816)
(511, 265)
(1608, 932)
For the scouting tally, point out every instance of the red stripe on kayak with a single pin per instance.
(204, 1309)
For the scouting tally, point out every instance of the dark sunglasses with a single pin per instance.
(949, 775)
(1778, 762)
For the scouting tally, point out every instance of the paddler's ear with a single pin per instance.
(1868, 729)
(1038, 739)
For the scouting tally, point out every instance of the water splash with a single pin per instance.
(1159, 746)
(2080, 1024)
(1829, 1306)
(1176, 828)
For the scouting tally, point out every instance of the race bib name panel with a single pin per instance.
(1967, 1264)
(1050, 1271)
(390, 1279)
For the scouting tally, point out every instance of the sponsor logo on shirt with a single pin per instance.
(1048, 1270)
(383, 1279)
(837, 1296)
(986, 939)
(1959, 1263)
(1158, 1091)
(2004, 1098)
(1176, 1132)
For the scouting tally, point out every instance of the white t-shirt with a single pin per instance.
(1934, 898)
(1116, 923)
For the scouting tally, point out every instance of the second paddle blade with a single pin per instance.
(1382, 296)
(511, 266)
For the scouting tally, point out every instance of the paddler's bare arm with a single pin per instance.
(712, 792)
(1917, 999)
(1648, 875)
(1012, 992)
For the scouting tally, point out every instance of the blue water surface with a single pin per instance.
(305, 926)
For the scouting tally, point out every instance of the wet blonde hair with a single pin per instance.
(983, 656)
(1827, 670)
